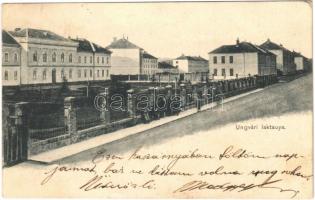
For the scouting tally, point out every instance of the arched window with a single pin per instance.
(62, 57)
(35, 56)
(54, 57)
(45, 57)
(79, 59)
(70, 58)
(6, 75)
(44, 74)
(15, 57)
(34, 74)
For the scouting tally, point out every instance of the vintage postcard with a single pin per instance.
(157, 100)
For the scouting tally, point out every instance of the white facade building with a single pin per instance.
(191, 64)
(49, 58)
(128, 58)
(241, 60)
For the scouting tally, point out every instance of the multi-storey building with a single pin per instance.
(285, 58)
(93, 61)
(149, 64)
(191, 64)
(50, 58)
(11, 60)
(165, 67)
(128, 58)
(241, 60)
(302, 63)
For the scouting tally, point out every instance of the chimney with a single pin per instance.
(268, 40)
(183, 54)
(127, 37)
(281, 45)
(114, 39)
(237, 41)
(17, 29)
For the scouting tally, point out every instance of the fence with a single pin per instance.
(30, 128)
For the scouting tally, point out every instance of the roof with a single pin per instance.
(272, 46)
(88, 46)
(195, 58)
(164, 65)
(147, 55)
(8, 39)
(38, 34)
(241, 47)
(122, 44)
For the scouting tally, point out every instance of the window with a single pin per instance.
(91, 59)
(98, 60)
(102, 60)
(107, 73)
(70, 58)
(62, 57)
(98, 73)
(223, 72)
(6, 57)
(70, 73)
(45, 57)
(84, 59)
(107, 60)
(215, 60)
(15, 75)
(6, 75)
(54, 57)
(231, 72)
(85, 73)
(79, 73)
(231, 59)
(91, 72)
(15, 58)
(35, 56)
(44, 74)
(79, 59)
(62, 74)
(34, 74)
(103, 73)
(222, 59)
(215, 72)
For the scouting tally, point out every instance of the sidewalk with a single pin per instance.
(53, 156)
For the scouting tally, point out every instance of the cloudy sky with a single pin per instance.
(170, 29)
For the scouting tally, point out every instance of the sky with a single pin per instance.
(168, 30)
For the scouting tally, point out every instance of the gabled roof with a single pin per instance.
(37, 34)
(195, 58)
(298, 54)
(240, 47)
(122, 44)
(147, 55)
(165, 65)
(272, 46)
(7, 39)
(88, 46)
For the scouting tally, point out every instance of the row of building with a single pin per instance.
(33, 56)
